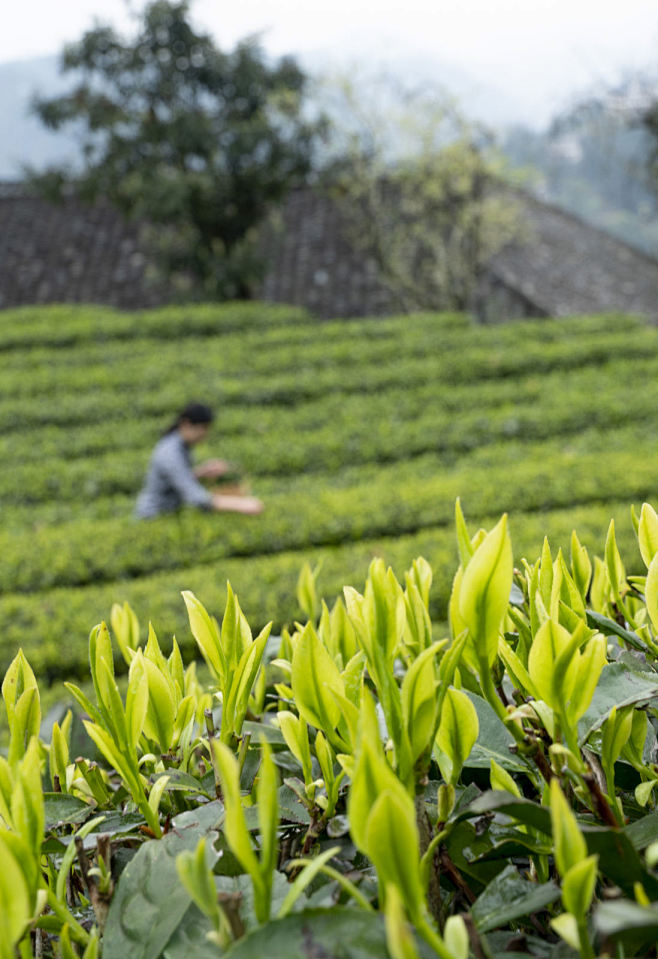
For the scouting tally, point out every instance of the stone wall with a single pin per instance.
(69, 253)
(561, 266)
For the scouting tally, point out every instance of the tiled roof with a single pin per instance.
(73, 253)
(311, 262)
(565, 266)
(68, 253)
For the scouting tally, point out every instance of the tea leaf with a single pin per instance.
(457, 734)
(485, 589)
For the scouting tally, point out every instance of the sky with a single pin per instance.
(528, 57)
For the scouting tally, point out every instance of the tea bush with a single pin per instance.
(366, 785)
(358, 435)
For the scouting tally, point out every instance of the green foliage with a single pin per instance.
(358, 791)
(415, 185)
(356, 456)
(196, 143)
(605, 176)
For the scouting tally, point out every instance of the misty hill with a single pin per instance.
(593, 161)
(587, 161)
(23, 138)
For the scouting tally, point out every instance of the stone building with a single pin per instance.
(69, 253)
(562, 266)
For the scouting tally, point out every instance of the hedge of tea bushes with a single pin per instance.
(52, 625)
(390, 499)
(355, 432)
(104, 329)
(270, 349)
(67, 325)
(396, 405)
(328, 434)
(385, 788)
(255, 376)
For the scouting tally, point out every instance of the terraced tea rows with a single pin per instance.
(358, 434)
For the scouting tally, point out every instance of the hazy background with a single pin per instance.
(512, 60)
(514, 64)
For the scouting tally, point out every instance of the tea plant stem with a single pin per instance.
(586, 950)
(478, 946)
(601, 804)
(242, 755)
(78, 933)
(489, 690)
(100, 901)
(569, 733)
(210, 726)
(232, 925)
(542, 763)
(428, 854)
(501, 695)
(210, 723)
(448, 867)
(427, 849)
(312, 832)
(433, 939)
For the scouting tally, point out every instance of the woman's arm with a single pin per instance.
(249, 505)
(214, 469)
(175, 464)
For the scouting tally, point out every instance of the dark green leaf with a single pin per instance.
(618, 859)
(468, 848)
(523, 810)
(149, 902)
(509, 843)
(189, 938)
(511, 897)
(290, 808)
(266, 731)
(493, 741)
(179, 780)
(643, 831)
(618, 686)
(610, 628)
(526, 946)
(63, 808)
(339, 933)
(203, 818)
(116, 823)
(627, 922)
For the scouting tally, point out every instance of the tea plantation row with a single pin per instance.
(298, 371)
(359, 435)
(68, 554)
(329, 434)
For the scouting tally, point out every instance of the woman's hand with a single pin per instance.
(249, 505)
(213, 469)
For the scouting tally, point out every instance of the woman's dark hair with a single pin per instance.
(196, 413)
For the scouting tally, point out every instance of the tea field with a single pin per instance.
(358, 435)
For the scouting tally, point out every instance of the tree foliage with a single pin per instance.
(418, 189)
(196, 143)
(593, 160)
(650, 125)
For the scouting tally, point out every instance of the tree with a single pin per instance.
(196, 144)
(648, 112)
(593, 161)
(420, 192)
